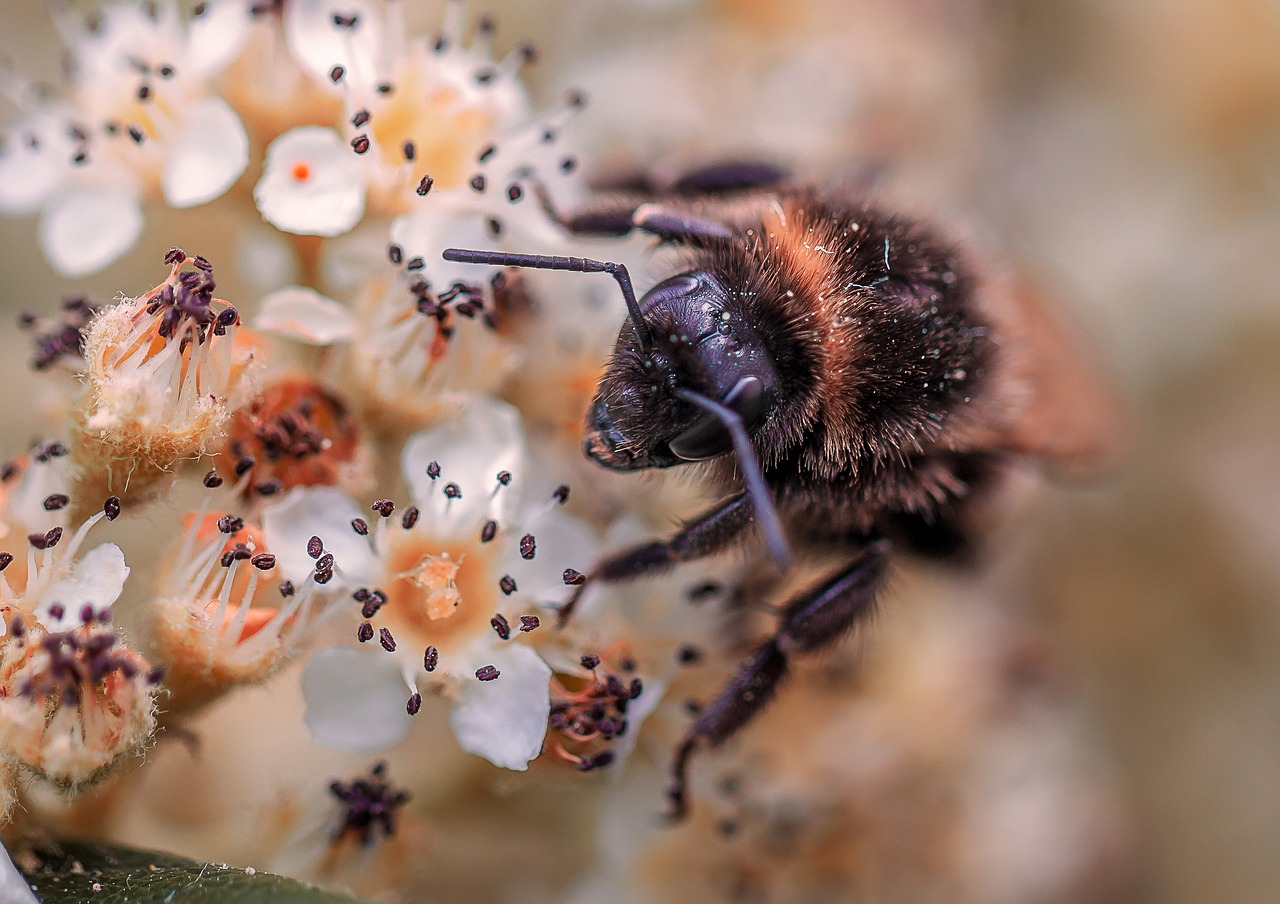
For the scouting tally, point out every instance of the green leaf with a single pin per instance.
(81, 872)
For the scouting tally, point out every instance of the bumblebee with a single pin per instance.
(849, 378)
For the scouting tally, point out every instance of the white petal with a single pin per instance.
(561, 541)
(323, 512)
(355, 699)
(264, 258)
(504, 720)
(29, 174)
(96, 579)
(318, 45)
(440, 225)
(40, 480)
(13, 888)
(300, 313)
(312, 183)
(216, 35)
(207, 156)
(471, 447)
(84, 231)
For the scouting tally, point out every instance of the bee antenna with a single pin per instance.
(761, 501)
(574, 264)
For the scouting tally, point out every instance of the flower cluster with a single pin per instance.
(350, 471)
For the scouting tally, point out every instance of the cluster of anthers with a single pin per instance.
(75, 700)
(589, 715)
(162, 372)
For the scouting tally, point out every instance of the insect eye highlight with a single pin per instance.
(707, 437)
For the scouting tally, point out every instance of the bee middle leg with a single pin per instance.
(705, 535)
(813, 619)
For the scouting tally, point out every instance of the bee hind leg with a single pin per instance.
(705, 535)
(814, 619)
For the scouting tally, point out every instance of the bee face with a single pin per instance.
(700, 342)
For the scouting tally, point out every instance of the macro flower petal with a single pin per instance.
(312, 183)
(96, 579)
(30, 165)
(85, 230)
(207, 157)
(471, 448)
(355, 699)
(504, 720)
(426, 233)
(324, 512)
(318, 44)
(560, 541)
(304, 315)
(216, 35)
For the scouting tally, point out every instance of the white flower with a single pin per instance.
(422, 348)
(222, 615)
(74, 699)
(162, 373)
(449, 590)
(135, 120)
(311, 183)
(417, 115)
(303, 314)
(34, 490)
(57, 582)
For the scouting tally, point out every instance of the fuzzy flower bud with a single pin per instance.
(223, 616)
(162, 372)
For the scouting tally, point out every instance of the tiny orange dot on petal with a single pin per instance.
(301, 171)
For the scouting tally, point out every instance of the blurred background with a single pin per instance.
(1127, 156)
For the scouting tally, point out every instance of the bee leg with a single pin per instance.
(705, 535)
(810, 621)
(618, 219)
(729, 176)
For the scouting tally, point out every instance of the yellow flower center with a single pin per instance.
(437, 577)
(438, 592)
(445, 131)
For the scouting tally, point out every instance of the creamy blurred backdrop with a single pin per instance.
(1125, 154)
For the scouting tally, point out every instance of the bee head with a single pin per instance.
(694, 341)
(689, 380)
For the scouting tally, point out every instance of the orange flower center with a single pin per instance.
(438, 595)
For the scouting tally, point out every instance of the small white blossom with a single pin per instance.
(162, 374)
(222, 615)
(449, 590)
(136, 122)
(420, 116)
(74, 699)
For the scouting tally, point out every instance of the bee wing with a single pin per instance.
(1070, 417)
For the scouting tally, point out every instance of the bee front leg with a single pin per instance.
(705, 535)
(810, 621)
